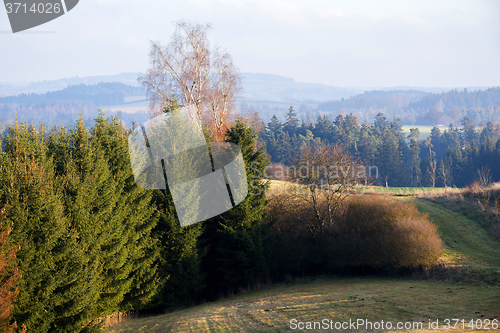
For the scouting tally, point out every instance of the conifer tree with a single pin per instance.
(273, 130)
(49, 256)
(9, 274)
(236, 239)
(131, 272)
(324, 129)
(292, 123)
(413, 158)
(389, 159)
(179, 265)
(368, 145)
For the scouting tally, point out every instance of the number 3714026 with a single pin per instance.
(485, 324)
(41, 8)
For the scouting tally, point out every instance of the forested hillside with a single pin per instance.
(418, 107)
(375, 99)
(99, 94)
(454, 157)
(464, 99)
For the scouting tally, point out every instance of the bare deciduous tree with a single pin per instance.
(188, 70)
(444, 171)
(432, 165)
(484, 176)
(326, 176)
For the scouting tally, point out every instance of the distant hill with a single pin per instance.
(463, 99)
(267, 94)
(65, 106)
(279, 88)
(256, 86)
(41, 87)
(375, 99)
(420, 107)
(99, 94)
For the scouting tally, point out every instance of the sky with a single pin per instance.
(429, 43)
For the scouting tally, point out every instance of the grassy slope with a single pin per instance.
(393, 299)
(467, 244)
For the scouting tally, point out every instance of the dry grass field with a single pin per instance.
(336, 299)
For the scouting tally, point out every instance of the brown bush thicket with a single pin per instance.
(479, 192)
(379, 232)
(367, 232)
(294, 250)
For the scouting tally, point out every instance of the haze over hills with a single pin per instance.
(267, 94)
(259, 86)
(100, 94)
(41, 87)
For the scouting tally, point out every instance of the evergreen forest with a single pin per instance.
(456, 156)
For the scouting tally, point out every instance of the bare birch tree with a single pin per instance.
(188, 71)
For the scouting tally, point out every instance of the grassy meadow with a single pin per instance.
(465, 285)
(336, 299)
(425, 130)
(411, 191)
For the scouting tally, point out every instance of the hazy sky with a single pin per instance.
(343, 43)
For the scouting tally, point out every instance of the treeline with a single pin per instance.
(418, 107)
(376, 99)
(56, 113)
(64, 107)
(62, 113)
(456, 157)
(100, 94)
(460, 157)
(90, 242)
(465, 99)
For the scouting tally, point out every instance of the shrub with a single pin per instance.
(378, 232)
(368, 232)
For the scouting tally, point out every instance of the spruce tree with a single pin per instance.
(179, 265)
(236, 239)
(292, 123)
(132, 251)
(389, 159)
(49, 256)
(324, 129)
(413, 158)
(181, 278)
